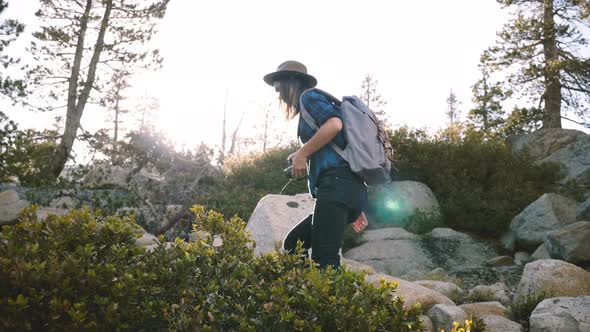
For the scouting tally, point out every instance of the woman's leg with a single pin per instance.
(339, 202)
(301, 232)
(329, 220)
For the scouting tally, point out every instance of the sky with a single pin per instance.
(416, 50)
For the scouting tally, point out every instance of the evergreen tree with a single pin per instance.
(80, 42)
(488, 115)
(372, 98)
(147, 109)
(453, 107)
(113, 101)
(541, 44)
(522, 120)
(9, 31)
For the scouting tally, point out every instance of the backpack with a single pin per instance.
(368, 150)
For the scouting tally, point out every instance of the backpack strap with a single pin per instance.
(311, 121)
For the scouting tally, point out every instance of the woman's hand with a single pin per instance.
(299, 163)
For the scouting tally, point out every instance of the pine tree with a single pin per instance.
(539, 45)
(488, 115)
(80, 42)
(453, 107)
(114, 100)
(9, 30)
(146, 112)
(372, 98)
(522, 120)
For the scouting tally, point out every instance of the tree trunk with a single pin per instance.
(265, 137)
(115, 158)
(76, 104)
(116, 125)
(223, 133)
(485, 106)
(72, 118)
(552, 113)
(234, 136)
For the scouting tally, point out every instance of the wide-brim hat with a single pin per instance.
(291, 69)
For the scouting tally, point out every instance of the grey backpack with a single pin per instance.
(368, 150)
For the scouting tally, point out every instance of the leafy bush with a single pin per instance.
(251, 178)
(522, 309)
(25, 155)
(83, 272)
(473, 324)
(480, 185)
(423, 222)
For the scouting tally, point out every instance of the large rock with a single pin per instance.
(508, 241)
(479, 309)
(145, 239)
(106, 176)
(43, 212)
(274, 217)
(447, 289)
(500, 324)
(407, 204)
(548, 213)
(110, 176)
(496, 292)
(457, 252)
(554, 278)
(540, 253)
(426, 323)
(411, 292)
(500, 261)
(521, 258)
(64, 202)
(392, 251)
(387, 234)
(570, 243)
(571, 314)
(583, 211)
(356, 266)
(575, 159)
(444, 315)
(10, 207)
(545, 142)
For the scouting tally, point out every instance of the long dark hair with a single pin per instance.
(289, 90)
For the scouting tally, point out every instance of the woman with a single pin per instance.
(340, 194)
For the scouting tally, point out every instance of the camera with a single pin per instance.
(287, 171)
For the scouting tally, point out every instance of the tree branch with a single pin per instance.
(587, 125)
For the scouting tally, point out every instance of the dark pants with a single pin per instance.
(341, 197)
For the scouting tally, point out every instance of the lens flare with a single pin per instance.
(392, 205)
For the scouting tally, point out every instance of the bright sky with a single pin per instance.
(417, 50)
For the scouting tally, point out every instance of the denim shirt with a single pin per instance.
(321, 109)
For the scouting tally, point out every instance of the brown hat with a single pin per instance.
(291, 68)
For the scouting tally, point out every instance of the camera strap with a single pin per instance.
(288, 183)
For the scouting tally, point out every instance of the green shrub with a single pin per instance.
(350, 238)
(473, 324)
(521, 310)
(480, 185)
(25, 155)
(249, 179)
(83, 272)
(423, 222)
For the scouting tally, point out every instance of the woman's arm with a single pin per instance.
(322, 137)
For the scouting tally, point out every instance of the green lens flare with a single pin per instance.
(392, 205)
